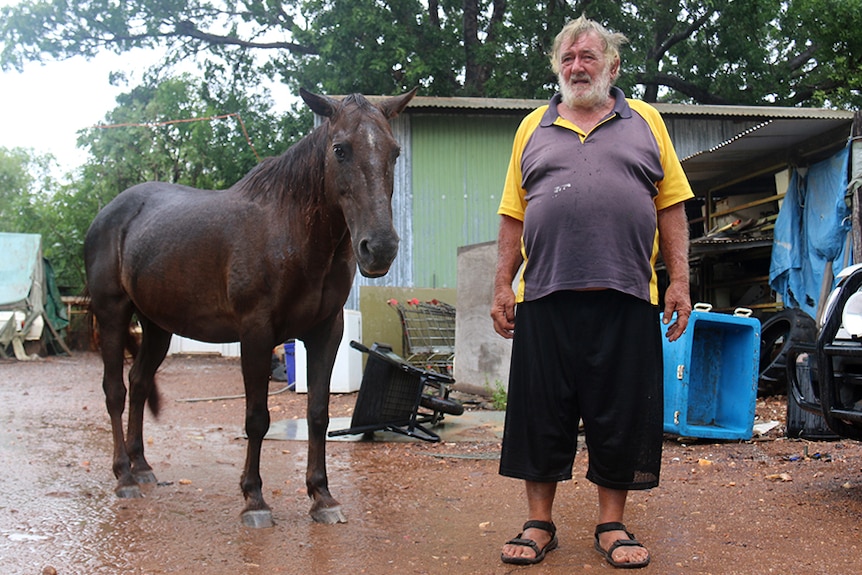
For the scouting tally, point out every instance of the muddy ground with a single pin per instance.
(771, 505)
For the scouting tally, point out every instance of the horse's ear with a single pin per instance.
(391, 107)
(320, 105)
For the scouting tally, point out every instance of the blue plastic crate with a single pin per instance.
(710, 377)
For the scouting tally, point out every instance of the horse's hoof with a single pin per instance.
(145, 477)
(328, 515)
(128, 491)
(258, 518)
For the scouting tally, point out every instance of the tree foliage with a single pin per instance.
(147, 136)
(25, 178)
(782, 52)
(27, 205)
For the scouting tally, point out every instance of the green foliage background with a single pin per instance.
(752, 52)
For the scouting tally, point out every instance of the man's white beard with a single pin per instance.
(596, 95)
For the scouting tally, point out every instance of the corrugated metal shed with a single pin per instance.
(459, 165)
(455, 152)
(713, 142)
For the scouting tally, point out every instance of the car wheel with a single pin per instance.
(778, 334)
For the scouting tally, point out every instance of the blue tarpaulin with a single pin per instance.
(19, 255)
(29, 298)
(811, 233)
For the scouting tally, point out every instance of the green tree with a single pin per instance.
(181, 130)
(784, 52)
(25, 185)
(31, 202)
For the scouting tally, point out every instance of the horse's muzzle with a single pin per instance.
(375, 256)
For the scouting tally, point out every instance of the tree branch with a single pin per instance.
(187, 29)
(699, 95)
(675, 39)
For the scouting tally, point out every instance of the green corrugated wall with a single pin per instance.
(459, 165)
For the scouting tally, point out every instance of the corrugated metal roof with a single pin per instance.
(765, 112)
(669, 109)
(475, 103)
(766, 148)
(717, 144)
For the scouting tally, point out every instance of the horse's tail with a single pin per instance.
(92, 325)
(131, 344)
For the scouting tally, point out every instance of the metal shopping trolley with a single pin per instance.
(428, 333)
(428, 336)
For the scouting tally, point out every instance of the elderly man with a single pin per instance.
(593, 191)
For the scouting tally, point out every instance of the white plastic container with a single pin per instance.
(347, 372)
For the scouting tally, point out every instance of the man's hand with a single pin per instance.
(673, 241)
(676, 299)
(508, 261)
(503, 312)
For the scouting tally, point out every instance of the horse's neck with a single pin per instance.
(290, 187)
(295, 178)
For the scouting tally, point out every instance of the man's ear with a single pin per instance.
(615, 69)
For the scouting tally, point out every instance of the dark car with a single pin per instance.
(830, 385)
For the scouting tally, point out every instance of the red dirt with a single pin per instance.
(771, 505)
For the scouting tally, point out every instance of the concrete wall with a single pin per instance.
(481, 356)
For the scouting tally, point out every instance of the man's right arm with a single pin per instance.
(509, 259)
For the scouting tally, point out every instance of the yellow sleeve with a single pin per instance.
(513, 202)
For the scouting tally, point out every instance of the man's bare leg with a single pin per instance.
(612, 505)
(540, 503)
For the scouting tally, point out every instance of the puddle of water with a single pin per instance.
(471, 426)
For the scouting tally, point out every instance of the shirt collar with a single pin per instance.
(621, 107)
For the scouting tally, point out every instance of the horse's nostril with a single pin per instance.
(375, 257)
(364, 249)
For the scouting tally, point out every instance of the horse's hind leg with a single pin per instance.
(142, 389)
(113, 317)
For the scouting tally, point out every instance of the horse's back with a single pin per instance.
(139, 223)
(196, 262)
(144, 199)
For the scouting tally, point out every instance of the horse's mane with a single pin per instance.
(296, 176)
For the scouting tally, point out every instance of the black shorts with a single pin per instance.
(591, 355)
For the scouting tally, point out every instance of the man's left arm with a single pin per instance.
(673, 243)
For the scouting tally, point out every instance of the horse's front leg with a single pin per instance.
(322, 348)
(255, 361)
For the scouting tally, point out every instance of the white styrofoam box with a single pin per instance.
(181, 344)
(35, 331)
(347, 372)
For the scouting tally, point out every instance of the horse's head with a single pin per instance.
(359, 172)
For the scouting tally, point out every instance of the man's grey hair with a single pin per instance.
(611, 41)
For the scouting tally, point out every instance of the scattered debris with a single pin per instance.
(764, 427)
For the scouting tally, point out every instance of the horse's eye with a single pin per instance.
(340, 152)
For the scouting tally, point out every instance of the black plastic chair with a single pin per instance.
(389, 395)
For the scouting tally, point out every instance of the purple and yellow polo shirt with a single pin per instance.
(589, 200)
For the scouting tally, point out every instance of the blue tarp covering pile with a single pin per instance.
(29, 302)
(811, 233)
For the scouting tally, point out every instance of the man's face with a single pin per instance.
(586, 75)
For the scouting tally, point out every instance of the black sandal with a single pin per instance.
(540, 553)
(630, 542)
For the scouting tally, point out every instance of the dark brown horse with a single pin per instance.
(271, 258)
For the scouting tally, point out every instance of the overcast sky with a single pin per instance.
(45, 106)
